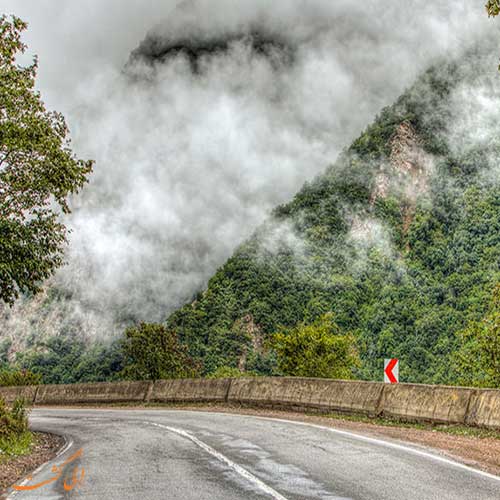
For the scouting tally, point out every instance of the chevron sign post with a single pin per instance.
(391, 371)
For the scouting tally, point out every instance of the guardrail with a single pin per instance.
(409, 402)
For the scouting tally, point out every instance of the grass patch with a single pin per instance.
(16, 446)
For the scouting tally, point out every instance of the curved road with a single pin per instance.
(171, 454)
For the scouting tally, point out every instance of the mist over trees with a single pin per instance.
(393, 252)
(400, 240)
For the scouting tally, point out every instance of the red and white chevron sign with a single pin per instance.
(391, 371)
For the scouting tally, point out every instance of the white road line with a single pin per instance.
(387, 444)
(222, 458)
(68, 445)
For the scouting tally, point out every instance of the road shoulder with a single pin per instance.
(45, 448)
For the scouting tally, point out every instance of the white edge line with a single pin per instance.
(67, 446)
(387, 444)
(222, 458)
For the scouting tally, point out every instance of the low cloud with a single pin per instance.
(190, 162)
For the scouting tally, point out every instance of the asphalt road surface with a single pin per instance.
(185, 455)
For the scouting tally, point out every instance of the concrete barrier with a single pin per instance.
(322, 394)
(425, 402)
(103, 392)
(10, 394)
(190, 390)
(410, 402)
(484, 409)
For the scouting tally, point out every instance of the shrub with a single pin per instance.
(15, 438)
(321, 349)
(10, 378)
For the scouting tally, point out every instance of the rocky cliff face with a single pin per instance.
(407, 172)
(408, 168)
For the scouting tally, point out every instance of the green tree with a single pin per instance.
(55, 360)
(152, 352)
(38, 171)
(478, 359)
(320, 349)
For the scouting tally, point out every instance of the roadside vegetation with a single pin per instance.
(230, 372)
(12, 378)
(15, 437)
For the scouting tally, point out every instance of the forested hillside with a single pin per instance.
(399, 239)
(393, 252)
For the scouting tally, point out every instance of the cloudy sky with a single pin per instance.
(189, 163)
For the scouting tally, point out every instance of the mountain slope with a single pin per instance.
(400, 239)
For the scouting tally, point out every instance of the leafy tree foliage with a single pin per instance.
(12, 378)
(37, 172)
(478, 359)
(145, 352)
(153, 352)
(320, 349)
(493, 10)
